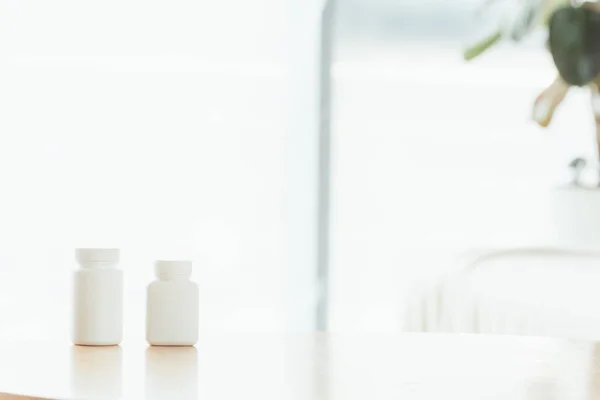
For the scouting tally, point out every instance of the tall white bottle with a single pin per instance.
(172, 306)
(98, 298)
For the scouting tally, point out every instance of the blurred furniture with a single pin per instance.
(305, 367)
(543, 292)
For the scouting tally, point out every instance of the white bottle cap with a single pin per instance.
(86, 256)
(166, 270)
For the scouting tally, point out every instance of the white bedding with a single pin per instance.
(543, 292)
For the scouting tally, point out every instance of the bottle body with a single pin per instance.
(98, 304)
(172, 307)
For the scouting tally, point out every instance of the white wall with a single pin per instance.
(161, 127)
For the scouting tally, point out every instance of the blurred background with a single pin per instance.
(188, 129)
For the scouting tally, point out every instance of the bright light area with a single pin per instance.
(187, 129)
(162, 128)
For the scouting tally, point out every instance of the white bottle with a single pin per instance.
(172, 306)
(98, 298)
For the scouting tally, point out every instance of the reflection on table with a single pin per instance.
(309, 367)
(171, 373)
(96, 372)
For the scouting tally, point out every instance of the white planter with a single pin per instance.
(576, 214)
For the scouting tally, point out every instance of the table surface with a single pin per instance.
(270, 367)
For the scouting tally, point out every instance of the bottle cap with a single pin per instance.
(171, 269)
(85, 256)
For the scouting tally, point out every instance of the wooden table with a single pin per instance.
(327, 367)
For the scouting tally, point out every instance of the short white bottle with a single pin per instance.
(98, 298)
(172, 306)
